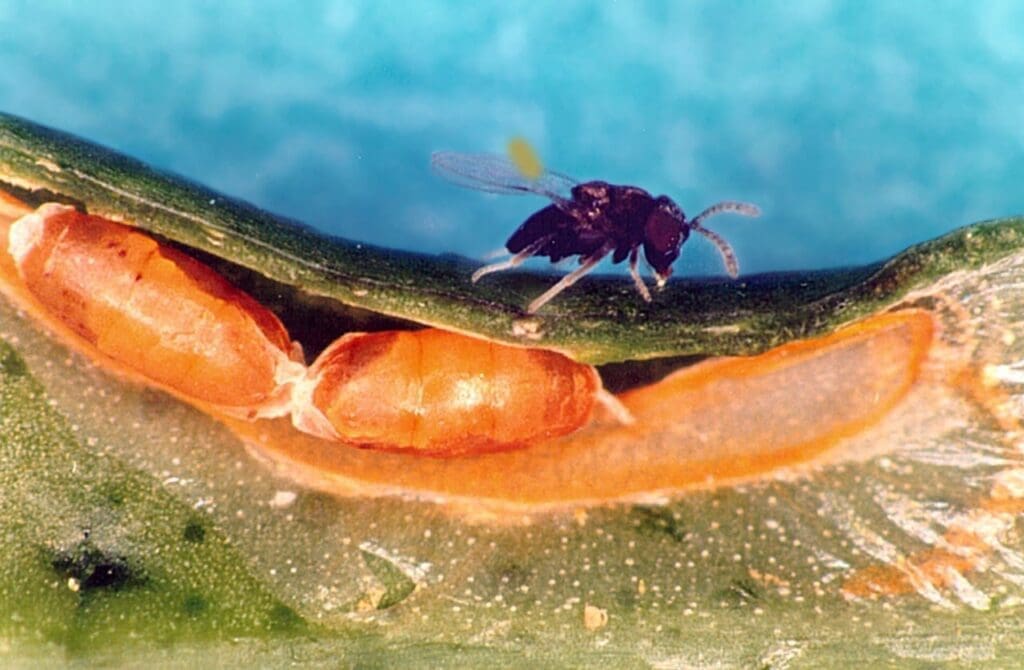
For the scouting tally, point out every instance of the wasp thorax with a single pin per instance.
(593, 198)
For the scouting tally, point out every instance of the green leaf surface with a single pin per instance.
(93, 546)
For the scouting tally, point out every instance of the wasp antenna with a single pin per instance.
(743, 208)
(732, 266)
(514, 261)
(568, 280)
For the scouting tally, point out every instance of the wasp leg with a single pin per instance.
(641, 287)
(568, 280)
(512, 262)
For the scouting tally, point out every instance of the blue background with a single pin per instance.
(859, 127)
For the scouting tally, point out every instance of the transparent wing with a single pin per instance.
(496, 174)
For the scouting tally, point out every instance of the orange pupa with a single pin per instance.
(156, 311)
(179, 324)
(438, 393)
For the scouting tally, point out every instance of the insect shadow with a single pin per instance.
(588, 219)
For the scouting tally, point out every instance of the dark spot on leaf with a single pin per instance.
(194, 532)
(740, 591)
(316, 509)
(626, 597)
(113, 493)
(11, 364)
(194, 605)
(508, 577)
(658, 521)
(394, 596)
(512, 575)
(397, 585)
(95, 568)
(284, 618)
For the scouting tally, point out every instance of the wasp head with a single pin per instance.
(664, 234)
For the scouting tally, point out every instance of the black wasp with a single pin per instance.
(588, 219)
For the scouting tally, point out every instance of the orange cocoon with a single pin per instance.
(154, 310)
(724, 420)
(439, 393)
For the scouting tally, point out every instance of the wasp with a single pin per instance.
(590, 220)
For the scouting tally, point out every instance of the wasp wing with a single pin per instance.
(497, 174)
